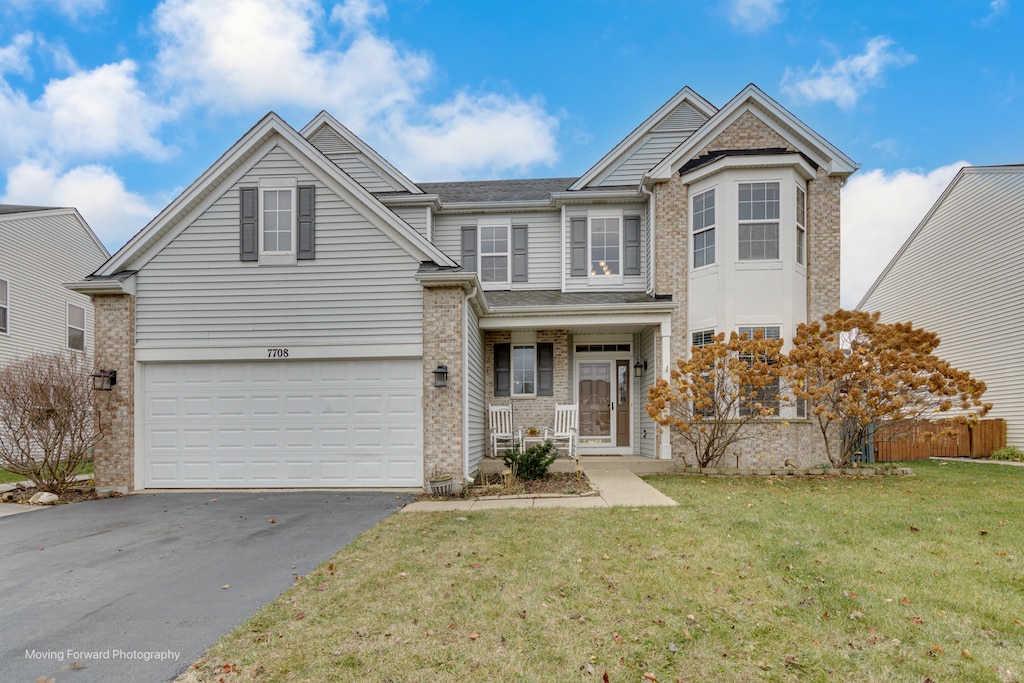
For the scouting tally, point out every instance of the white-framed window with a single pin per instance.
(495, 252)
(801, 226)
(76, 327)
(758, 221)
(605, 246)
(524, 369)
(704, 228)
(768, 395)
(703, 338)
(4, 307)
(277, 220)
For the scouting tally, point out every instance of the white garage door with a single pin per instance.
(292, 423)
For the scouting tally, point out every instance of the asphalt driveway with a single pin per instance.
(132, 588)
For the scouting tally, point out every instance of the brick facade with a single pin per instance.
(823, 245)
(443, 406)
(114, 334)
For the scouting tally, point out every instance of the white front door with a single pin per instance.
(603, 399)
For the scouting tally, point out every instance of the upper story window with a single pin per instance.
(801, 226)
(605, 246)
(76, 327)
(494, 253)
(3, 306)
(277, 224)
(758, 221)
(704, 229)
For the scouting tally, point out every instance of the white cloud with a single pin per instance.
(114, 213)
(355, 15)
(473, 135)
(14, 57)
(879, 211)
(73, 9)
(753, 16)
(849, 77)
(996, 9)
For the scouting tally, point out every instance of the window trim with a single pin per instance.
(704, 230)
(276, 185)
(512, 370)
(613, 278)
(801, 225)
(480, 254)
(68, 326)
(776, 221)
(5, 304)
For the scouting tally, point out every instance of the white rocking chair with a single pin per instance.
(500, 427)
(563, 435)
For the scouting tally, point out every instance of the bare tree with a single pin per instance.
(48, 418)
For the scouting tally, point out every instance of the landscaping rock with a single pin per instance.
(44, 498)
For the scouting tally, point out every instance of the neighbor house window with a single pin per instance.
(494, 253)
(801, 225)
(76, 327)
(3, 306)
(277, 224)
(767, 396)
(704, 229)
(606, 246)
(524, 370)
(758, 221)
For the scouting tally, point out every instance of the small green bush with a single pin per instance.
(1008, 453)
(533, 463)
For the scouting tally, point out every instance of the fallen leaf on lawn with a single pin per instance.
(1018, 622)
(321, 587)
(690, 617)
(330, 567)
(936, 650)
(852, 596)
(856, 614)
(617, 638)
(914, 528)
(272, 520)
(651, 677)
(982, 532)
(966, 654)
(588, 668)
(916, 620)
(403, 575)
(672, 647)
(826, 616)
(300, 615)
(604, 677)
(225, 586)
(686, 634)
(904, 600)
(474, 636)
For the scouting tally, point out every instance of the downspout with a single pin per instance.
(562, 234)
(651, 232)
(465, 386)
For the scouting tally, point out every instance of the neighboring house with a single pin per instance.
(960, 274)
(41, 249)
(280, 323)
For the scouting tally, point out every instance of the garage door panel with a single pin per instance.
(289, 423)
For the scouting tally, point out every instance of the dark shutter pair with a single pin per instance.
(520, 249)
(249, 239)
(578, 246)
(545, 369)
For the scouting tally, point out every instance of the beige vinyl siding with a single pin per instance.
(544, 251)
(960, 276)
(39, 251)
(643, 425)
(630, 283)
(360, 289)
(416, 216)
(477, 443)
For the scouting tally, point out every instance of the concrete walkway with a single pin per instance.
(615, 487)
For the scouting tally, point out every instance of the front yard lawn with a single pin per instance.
(10, 477)
(873, 579)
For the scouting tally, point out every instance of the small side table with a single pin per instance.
(528, 441)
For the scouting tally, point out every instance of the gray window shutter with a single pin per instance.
(248, 239)
(520, 269)
(502, 369)
(578, 247)
(306, 248)
(631, 243)
(545, 369)
(469, 249)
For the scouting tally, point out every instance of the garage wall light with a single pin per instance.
(441, 376)
(104, 380)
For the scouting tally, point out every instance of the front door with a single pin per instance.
(604, 403)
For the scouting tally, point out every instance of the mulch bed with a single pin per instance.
(561, 483)
(77, 494)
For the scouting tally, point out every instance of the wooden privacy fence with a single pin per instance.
(922, 439)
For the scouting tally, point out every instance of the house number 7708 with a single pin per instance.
(277, 353)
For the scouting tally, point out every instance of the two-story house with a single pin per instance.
(41, 248)
(285, 321)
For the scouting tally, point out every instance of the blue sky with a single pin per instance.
(115, 106)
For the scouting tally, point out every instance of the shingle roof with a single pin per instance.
(556, 299)
(533, 189)
(18, 208)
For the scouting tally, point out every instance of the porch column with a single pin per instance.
(443, 415)
(664, 362)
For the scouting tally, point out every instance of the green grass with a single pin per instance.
(873, 579)
(10, 477)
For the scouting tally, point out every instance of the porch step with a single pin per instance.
(634, 463)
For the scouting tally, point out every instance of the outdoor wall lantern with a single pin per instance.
(441, 376)
(104, 380)
(639, 367)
